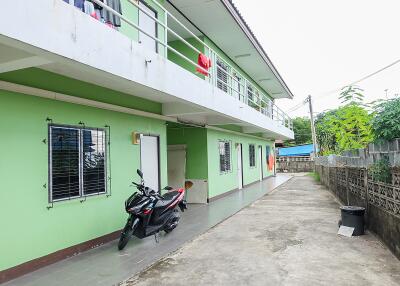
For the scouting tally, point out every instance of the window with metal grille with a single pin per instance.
(222, 76)
(252, 155)
(224, 156)
(77, 162)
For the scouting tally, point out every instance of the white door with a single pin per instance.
(176, 166)
(260, 161)
(149, 161)
(240, 166)
(149, 26)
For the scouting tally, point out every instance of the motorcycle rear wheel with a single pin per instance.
(126, 235)
(174, 222)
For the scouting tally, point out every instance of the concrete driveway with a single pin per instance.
(286, 238)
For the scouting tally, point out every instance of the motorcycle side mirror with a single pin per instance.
(168, 188)
(139, 173)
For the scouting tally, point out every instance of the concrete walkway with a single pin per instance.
(285, 238)
(107, 266)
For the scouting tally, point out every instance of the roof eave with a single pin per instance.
(250, 35)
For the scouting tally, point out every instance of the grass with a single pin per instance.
(315, 176)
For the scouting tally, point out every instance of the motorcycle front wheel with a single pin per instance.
(126, 234)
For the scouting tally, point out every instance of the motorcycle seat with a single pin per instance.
(167, 199)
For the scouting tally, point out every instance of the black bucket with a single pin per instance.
(353, 216)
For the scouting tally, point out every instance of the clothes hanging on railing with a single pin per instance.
(109, 17)
(88, 8)
(204, 62)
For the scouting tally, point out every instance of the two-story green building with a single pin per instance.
(90, 91)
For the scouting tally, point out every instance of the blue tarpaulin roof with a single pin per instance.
(302, 150)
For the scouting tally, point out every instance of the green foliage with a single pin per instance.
(315, 176)
(351, 95)
(326, 137)
(380, 171)
(386, 123)
(302, 131)
(345, 128)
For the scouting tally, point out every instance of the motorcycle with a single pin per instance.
(149, 212)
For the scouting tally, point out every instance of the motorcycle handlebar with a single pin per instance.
(146, 190)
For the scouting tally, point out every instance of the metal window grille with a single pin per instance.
(222, 76)
(77, 162)
(224, 156)
(252, 155)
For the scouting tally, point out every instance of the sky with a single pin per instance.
(319, 46)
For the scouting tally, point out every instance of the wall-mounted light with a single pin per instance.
(135, 138)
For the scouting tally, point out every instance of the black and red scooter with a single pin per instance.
(149, 212)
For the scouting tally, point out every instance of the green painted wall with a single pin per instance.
(38, 78)
(28, 229)
(195, 140)
(188, 52)
(132, 13)
(220, 183)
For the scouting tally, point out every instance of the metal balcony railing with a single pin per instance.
(220, 75)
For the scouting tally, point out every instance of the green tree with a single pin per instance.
(386, 122)
(352, 127)
(345, 128)
(351, 94)
(326, 137)
(302, 131)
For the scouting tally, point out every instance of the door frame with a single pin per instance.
(241, 164)
(158, 156)
(156, 24)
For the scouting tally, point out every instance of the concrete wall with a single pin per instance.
(381, 200)
(294, 166)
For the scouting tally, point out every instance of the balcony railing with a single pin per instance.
(220, 75)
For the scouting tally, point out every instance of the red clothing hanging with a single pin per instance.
(204, 62)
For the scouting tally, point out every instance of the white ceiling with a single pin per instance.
(218, 24)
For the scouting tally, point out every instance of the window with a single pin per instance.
(237, 86)
(222, 76)
(252, 155)
(224, 156)
(77, 162)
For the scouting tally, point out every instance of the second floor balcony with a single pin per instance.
(161, 34)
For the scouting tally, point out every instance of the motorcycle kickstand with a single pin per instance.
(157, 237)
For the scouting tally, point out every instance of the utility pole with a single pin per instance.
(314, 136)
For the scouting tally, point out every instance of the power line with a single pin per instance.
(359, 80)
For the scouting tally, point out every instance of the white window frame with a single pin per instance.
(229, 159)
